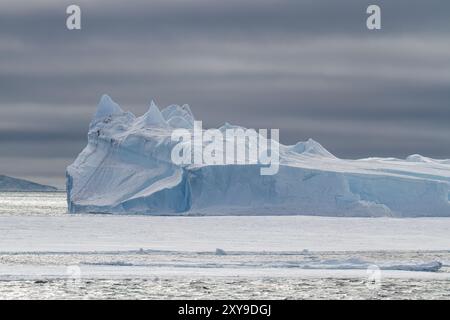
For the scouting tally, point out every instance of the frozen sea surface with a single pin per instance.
(46, 253)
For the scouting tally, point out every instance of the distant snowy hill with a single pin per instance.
(126, 168)
(12, 184)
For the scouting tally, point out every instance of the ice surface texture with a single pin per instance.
(126, 168)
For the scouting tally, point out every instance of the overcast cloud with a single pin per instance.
(309, 68)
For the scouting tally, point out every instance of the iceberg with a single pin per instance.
(10, 184)
(126, 168)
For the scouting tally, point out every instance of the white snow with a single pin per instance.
(40, 272)
(38, 240)
(108, 246)
(76, 233)
(107, 108)
(126, 168)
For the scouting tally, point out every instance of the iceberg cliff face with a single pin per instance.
(127, 168)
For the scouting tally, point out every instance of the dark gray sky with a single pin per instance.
(310, 68)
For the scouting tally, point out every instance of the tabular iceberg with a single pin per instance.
(126, 168)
